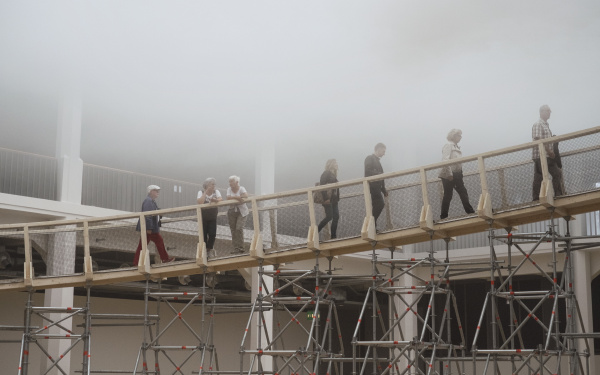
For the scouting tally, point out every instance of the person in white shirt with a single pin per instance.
(452, 175)
(237, 213)
(209, 194)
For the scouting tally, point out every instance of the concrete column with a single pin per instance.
(409, 323)
(68, 145)
(264, 184)
(260, 340)
(265, 170)
(61, 246)
(582, 285)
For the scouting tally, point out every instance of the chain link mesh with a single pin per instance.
(180, 234)
(61, 248)
(510, 179)
(12, 255)
(113, 244)
(404, 202)
(580, 166)
(284, 222)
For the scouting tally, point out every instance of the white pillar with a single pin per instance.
(265, 170)
(61, 246)
(409, 323)
(264, 184)
(582, 285)
(68, 145)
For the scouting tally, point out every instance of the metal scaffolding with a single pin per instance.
(289, 300)
(398, 296)
(393, 352)
(202, 336)
(432, 351)
(565, 326)
(33, 335)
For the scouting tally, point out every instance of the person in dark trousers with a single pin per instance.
(209, 194)
(372, 168)
(452, 175)
(152, 227)
(541, 130)
(330, 197)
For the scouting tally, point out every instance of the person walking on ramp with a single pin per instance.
(372, 168)
(452, 175)
(152, 227)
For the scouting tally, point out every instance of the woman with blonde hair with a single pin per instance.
(452, 175)
(330, 197)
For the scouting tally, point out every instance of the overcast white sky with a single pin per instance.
(190, 89)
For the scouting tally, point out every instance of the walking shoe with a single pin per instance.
(171, 259)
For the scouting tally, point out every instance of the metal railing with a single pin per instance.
(27, 174)
(123, 190)
(287, 221)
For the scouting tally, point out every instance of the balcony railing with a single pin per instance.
(26, 174)
(122, 190)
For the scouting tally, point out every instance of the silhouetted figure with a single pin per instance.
(541, 130)
(330, 197)
(452, 175)
(373, 167)
(152, 227)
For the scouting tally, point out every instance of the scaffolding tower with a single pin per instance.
(202, 345)
(290, 299)
(34, 335)
(562, 330)
(393, 352)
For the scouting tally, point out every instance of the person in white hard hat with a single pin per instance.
(152, 227)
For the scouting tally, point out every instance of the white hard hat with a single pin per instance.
(152, 187)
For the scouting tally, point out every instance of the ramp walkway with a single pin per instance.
(282, 227)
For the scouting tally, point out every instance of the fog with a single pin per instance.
(192, 89)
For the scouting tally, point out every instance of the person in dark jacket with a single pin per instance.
(209, 194)
(330, 197)
(152, 227)
(372, 168)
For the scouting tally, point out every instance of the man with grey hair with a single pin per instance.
(541, 130)
(152, 227)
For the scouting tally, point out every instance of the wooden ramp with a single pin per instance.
(283, 227)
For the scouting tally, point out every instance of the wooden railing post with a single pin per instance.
(546, 189)
(313, 231)
(144, 259)
(28, 265)
(426, 219)
(368, 231)
(88, 269)
(201, 255)
(484, 207)
(256, 246)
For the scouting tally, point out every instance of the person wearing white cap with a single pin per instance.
(152, 227)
